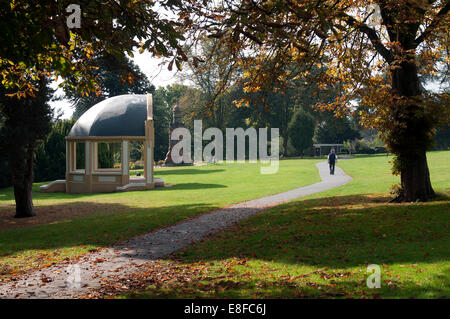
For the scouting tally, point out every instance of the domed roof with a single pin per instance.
(122, 115)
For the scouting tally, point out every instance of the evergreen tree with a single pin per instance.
(301, 131)
(27, 121)
(50, 160)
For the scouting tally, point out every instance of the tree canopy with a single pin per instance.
(373, 51)
(109, 75)
(40, 42)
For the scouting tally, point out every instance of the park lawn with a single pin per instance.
(320, 246)
(98, 220)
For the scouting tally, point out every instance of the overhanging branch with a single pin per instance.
(437, 19)
(372, 35)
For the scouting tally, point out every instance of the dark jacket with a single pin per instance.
(332, 158)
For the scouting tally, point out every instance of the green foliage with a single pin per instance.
(136, 151)
(26, 125)
(335, 129)
(137, 166)
(301, 131)
(111, 83)
(4, 173)
(274, 41)
(442, 138)
(40, 41)
(50, 160)
(374, 146)
(164, 99)
(171, 94)
(109, 154)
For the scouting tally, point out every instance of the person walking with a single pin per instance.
(332, 159)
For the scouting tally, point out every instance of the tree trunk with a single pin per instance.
(23, 187)
(285, 143)
(415, 180)
(410, 136)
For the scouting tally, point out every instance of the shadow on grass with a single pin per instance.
(335, 232)
(192, 186)
(189, 171)
(8, 194)
(387, 155)
(86, 224)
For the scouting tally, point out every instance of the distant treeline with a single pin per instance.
(50, 159)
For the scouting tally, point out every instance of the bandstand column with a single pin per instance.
(68, 164)
(149, 161)
(95, 156)
(125, 164)
(88, 166)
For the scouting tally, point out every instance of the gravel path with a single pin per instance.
(65, 280)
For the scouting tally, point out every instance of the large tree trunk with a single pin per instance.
(410, 136)
(23, 187)
(415, 181)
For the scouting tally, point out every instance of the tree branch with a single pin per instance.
(437, 19)
(372, 35)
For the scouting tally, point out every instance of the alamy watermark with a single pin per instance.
(73, 21)
(213, 151)
(374, 279)
(74, 278)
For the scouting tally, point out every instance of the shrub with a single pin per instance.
(136, 165)
(363, 147)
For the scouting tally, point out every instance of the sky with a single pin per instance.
(157, 74)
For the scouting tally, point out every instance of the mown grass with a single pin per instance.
(320, 246)
(119, 216)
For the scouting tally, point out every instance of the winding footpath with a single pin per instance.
(127, 257)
